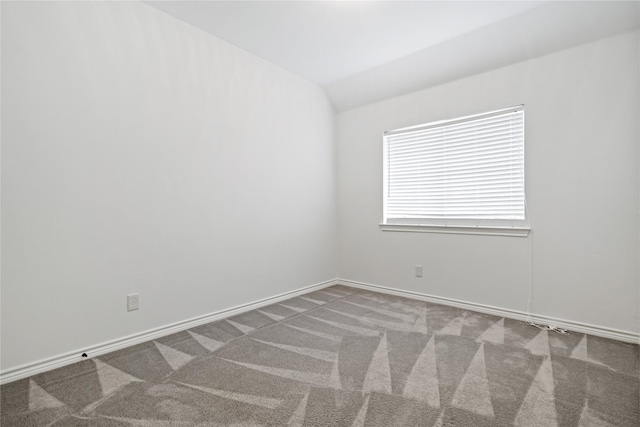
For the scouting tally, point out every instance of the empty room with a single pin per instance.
(320, 213)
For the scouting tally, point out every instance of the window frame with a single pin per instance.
(497, 227)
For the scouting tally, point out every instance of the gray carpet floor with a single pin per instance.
(343, 357)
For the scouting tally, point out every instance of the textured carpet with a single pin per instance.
(343, 357)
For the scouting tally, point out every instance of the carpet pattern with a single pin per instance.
(343, 357)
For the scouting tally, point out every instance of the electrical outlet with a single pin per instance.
(133, 302)
(418, 271)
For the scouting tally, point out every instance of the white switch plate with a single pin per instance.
(418, 271)
(133, 302)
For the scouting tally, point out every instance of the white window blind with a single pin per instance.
(462, 172)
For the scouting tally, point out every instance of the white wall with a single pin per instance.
(582, 138)
(142, 155)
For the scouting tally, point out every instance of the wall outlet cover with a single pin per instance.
(418, 271)
(133, 302)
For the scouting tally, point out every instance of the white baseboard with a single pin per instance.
(569, 325)
(48, 364)
(59, 361)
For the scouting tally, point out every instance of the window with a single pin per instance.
(461, 175)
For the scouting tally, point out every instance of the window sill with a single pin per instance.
(458, 229)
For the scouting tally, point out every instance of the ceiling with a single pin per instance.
(365, 51)
(327, 41)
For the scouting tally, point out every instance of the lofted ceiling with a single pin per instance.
(365, 51)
